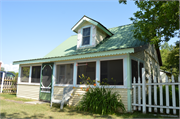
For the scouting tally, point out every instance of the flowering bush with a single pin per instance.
(99, 100)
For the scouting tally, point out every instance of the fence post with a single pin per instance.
(2, 81)
(173, 95)
(161, 96)
(179, 92)
(155, 94)
(139, 93)
(134, 93)
(144, 90)
(167, 95)
(149, 91)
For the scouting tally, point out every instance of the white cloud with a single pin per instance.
(10, 67)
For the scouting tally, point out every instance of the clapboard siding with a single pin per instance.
(78, 93)
(149, 55)
(28, 91)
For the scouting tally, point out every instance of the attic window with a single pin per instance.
(86, 36)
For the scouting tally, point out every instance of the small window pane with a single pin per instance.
(25, 74)
(35, 77)
(86, 31)
(86, 40)
(112, 69)
(64, 74)
(88, 70)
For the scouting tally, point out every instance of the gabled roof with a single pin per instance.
(122, 39)
(121, 42)
(92, 21)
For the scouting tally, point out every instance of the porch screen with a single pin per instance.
(88, 70)
(134, 70)
(112, 69)
(140, 70)
(46, 75)
(25, 74)
(64, 74)
(35, 76)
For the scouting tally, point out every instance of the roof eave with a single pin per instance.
(92, 21)
(76, 57)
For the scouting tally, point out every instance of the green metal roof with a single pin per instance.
(122, 39)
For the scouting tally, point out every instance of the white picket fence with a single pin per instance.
(142, 87)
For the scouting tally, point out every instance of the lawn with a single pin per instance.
(9, 109)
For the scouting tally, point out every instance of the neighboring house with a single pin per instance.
(96, 52)
(163, 75)
(7, 74)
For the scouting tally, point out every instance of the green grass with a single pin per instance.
(13, 97)
(15, 110)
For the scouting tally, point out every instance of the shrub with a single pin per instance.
(100, 100)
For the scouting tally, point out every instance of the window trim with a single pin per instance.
(90, 41)
(117, 86)
(30, 73)
(56, 65)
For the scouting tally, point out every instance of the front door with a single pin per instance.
(46, 82)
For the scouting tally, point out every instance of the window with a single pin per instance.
(134, 70)
(86, 36)
(88, 69)
(25, 74)
(112, 69)
(35, 76)
(64, 74)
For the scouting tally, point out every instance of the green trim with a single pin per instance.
(45, 96)
(129, 91)
(102, 28)
(76, 57)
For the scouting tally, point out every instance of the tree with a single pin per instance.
(155, 19)
(165, 50)
(2, 69)
(170, 58)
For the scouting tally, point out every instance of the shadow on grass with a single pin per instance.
(16, 115)
(71, 111)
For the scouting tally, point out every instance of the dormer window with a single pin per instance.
(86, 36)
(89, 32)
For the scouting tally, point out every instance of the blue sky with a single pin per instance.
(32, 28)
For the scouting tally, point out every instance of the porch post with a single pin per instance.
(75, 74)
(97, 71)
(53, 81)
(129, 93)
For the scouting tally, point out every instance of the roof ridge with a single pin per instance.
(121, 26)
(74, 35)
